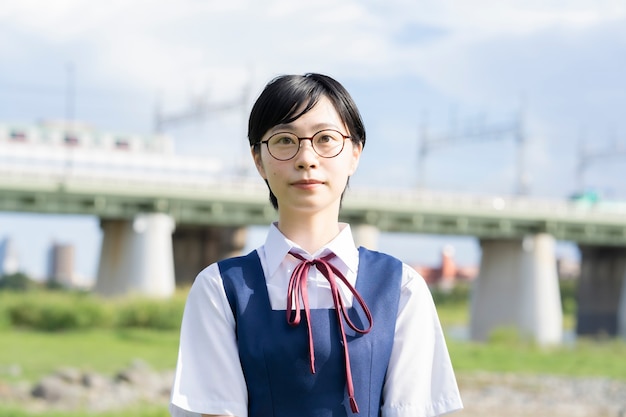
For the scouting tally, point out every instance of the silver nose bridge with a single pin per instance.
(300, 145)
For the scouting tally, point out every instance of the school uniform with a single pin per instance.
(239, 356)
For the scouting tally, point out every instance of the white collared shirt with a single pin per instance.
(420, 381)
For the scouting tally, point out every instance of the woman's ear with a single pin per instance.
(356, 157)
(258, 161)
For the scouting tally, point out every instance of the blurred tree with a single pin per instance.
(17, 282)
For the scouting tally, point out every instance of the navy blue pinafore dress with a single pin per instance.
(275, 356)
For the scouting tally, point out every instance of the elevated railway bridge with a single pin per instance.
(165, 216)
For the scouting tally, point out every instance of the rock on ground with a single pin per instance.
(72, 389)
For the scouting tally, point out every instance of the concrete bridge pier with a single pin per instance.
(518, 287)
(365, 235)
(136, 257)
(601, 292)
(621, 311)
(196, 247)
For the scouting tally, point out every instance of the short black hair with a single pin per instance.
(287, 97)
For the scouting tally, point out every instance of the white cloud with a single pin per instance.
(490, 17)
(155, 43)
(164, 44)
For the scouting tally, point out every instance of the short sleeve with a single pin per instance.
(208, 377)
(420, 381)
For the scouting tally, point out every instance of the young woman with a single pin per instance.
(308, 324)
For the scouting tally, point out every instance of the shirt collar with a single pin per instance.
(277, 246)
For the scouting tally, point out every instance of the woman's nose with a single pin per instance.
(306, 157)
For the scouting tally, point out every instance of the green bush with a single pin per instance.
(52, 311)
(568, 290)
(5, 321)
(508, 336)
(58, 310)
(17, 282)
(148, 313)
(458, 294)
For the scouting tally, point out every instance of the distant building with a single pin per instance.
(568, 268)
(9, 259)
(448, 272)
(61, 264)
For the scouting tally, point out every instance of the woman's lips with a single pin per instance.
(307, 184)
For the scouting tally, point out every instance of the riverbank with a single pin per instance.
(484, 394)
(515, 395)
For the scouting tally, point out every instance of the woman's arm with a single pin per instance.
(209, 378)
(420, 379)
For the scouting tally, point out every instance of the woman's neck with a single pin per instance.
(310, 232)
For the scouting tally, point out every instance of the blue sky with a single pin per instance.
(442, 64)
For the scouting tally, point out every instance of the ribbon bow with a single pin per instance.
(297, 290)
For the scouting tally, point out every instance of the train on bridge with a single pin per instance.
(82, 136)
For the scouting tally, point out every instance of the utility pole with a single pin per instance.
(476, 133)
(199, 109)
(70, 95)
(70, 123)
(586, 157)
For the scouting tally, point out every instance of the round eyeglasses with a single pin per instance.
(285, 145)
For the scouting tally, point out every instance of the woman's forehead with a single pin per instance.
(323, 115)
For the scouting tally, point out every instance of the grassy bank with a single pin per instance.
(122, 330)
(106, 351)
(587, 358)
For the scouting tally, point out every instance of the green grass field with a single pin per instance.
(102, 350)
(108, 351)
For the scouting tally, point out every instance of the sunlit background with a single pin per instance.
(415, 68)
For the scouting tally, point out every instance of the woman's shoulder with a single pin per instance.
(212, 272)
(207, 278)
(410, 276)
(366, 252)
(406, 268)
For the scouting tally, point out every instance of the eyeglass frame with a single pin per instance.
(300, 139)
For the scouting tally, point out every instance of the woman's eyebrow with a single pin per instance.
(317, 127)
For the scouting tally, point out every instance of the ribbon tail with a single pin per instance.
(310, 335)
(354, 406)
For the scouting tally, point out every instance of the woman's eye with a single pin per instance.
(284, 140)
(325, 139)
